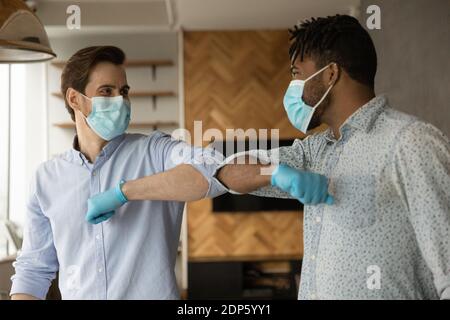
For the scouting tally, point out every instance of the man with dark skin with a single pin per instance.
(334, 110)
(387, 236)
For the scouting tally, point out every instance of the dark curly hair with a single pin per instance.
(340, 39)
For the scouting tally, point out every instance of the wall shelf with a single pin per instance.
(136, 94)
(135, 125)
(132, 63)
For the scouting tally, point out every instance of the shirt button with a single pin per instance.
(318, 219)
(313, 257)
(94, 173)
(313, 296)
(97, 237)
(100, 270)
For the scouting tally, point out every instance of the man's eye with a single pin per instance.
(106, 92)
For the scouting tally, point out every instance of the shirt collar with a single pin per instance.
(106, 152)
(363, 118)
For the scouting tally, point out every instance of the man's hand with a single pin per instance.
(307, 187)
(102, 206)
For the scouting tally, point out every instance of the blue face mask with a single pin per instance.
(300, 113)
(110, 116)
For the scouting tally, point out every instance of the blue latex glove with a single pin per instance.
(307, 187)
(102, 206)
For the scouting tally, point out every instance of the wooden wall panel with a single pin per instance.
(250, 235)
(237, 79)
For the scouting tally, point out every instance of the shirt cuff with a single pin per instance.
(25, 286)
(215, 188)
(221, 165)
(261, 155)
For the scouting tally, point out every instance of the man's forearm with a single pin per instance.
(182, 183)
(245, 178)
(186, 183)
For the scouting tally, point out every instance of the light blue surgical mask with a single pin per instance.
(110, 116)
(298, 111)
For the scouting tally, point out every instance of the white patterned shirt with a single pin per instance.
(388, 234)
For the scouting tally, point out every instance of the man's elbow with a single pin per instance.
(241, 179)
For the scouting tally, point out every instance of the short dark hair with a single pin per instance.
(77, 69)
(340, 39)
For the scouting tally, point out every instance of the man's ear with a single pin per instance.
(73, 99)
(334, 74)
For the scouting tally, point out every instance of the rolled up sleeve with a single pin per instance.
(175, 152)
(37, 263)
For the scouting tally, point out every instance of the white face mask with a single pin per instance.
(110, 116)
(298, 111)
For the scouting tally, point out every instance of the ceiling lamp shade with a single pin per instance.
(22, 35)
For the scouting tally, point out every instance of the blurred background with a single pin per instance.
(224, 63)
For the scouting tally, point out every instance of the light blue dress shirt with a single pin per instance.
(387, 236)
(130, 256)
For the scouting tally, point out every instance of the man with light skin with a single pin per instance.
(386, 235)
(132, 254)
